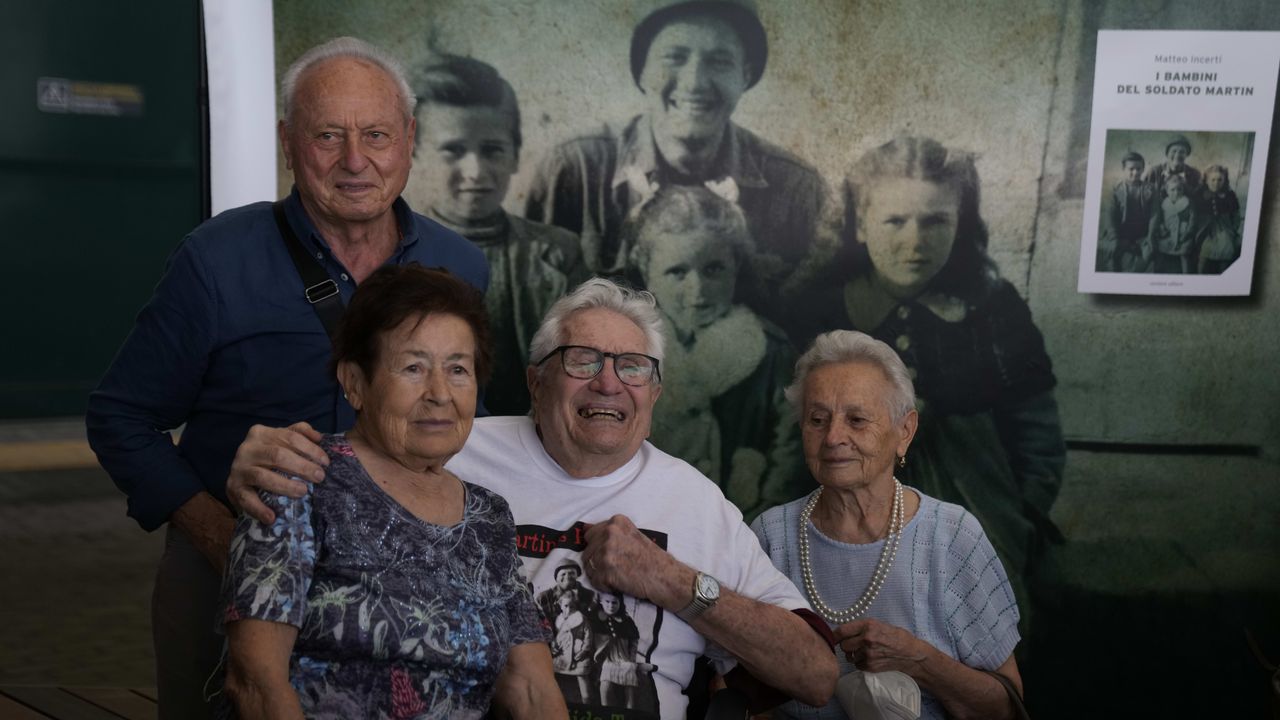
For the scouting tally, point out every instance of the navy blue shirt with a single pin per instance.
(228, 341)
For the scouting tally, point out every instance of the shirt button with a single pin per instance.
(344, 276)
(904, 312)
(903, 343)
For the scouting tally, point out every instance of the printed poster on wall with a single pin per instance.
(1177, 161)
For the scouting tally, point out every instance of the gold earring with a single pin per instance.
(902, 461)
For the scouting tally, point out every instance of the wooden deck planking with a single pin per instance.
(125, 703)
(76, 703)
(13, 710)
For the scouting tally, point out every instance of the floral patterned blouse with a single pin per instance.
(397, 618)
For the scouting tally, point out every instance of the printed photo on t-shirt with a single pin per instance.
(603, 643)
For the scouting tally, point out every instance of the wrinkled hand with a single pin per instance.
(266, 453)
(215, 547)
(621, 558)
(875, 646)
(209, 526)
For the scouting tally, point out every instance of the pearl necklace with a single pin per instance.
(887, 554)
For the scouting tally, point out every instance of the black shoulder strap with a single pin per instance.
(321, 291)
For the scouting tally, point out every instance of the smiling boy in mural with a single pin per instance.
(469, 142)
(692, 61)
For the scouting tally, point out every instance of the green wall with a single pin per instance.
(90, 204)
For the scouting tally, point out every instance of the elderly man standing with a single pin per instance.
(231, 338)
(585, 487)
(692, 61)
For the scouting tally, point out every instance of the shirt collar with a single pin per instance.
(638, 160)
(302, 225)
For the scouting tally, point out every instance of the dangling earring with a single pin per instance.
(902, 461)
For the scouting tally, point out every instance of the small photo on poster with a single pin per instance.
(1176, 201)
(1177, 152)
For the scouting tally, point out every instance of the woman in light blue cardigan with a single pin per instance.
(906, 582)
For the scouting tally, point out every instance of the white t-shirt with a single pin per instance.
(668, 500)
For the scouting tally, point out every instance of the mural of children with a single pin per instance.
(1220, 209)
(616, 648)
(1132, 201)
(1171, 238)
(468, 146)
(571, 650)
(723, 409)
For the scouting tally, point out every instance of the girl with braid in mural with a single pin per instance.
(913, 271)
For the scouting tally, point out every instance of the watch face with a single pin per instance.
(708, 587)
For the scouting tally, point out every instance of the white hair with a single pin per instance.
(849, 346)
(345, 47)
(638, 306)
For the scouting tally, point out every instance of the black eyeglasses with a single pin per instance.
(584, 363)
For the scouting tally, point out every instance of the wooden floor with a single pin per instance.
(27, 702)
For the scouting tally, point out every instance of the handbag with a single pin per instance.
(1015, 699)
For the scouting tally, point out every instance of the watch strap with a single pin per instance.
(700, 603)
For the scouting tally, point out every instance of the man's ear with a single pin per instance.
(657, 393)
(353, 382)
(533, 380)
(282, 131)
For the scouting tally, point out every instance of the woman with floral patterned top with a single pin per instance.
(392, 589)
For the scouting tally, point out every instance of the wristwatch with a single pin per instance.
(706, 591)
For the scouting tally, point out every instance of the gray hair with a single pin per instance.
(345, 47)
(848, 346)
(638, 306)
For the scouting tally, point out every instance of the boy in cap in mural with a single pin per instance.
(1176, 153)
(692, 61)
(469, 132)
(1132, 201)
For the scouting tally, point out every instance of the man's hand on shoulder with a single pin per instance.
(261, 459)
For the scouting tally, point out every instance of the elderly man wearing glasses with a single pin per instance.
(585, 486)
